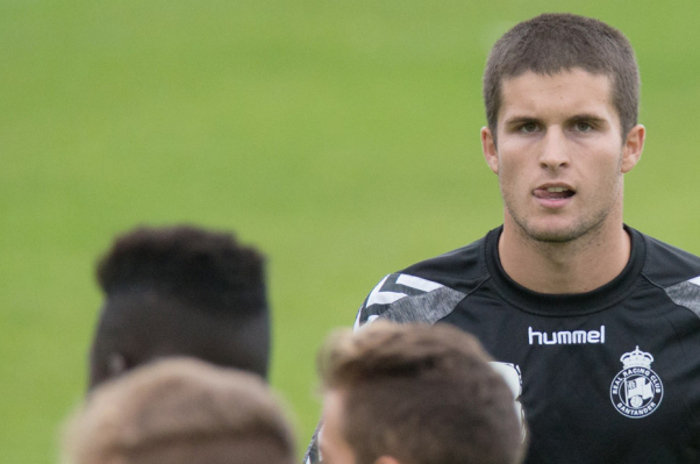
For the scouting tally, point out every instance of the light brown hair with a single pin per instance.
(180, 411)
(422, 394)
(551, 43)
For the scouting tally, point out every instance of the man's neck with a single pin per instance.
(578, 266)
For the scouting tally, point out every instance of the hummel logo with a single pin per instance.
(566, 337)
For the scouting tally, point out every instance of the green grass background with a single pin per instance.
(339, 137)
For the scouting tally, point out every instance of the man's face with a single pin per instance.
(559, 154)
(334, 448)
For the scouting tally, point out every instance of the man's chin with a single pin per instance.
(554, 238)
(552, 234)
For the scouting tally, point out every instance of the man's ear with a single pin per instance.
(116, 364)
(387, 460)
(632, 149)
(488, 146)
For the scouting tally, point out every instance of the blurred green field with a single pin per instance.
(339, 137)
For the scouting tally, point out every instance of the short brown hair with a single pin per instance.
(551, 43)
(421, 394)
(180, 411)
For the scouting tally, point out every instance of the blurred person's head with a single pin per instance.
(180, 411)
(414, 394)
(180, 291)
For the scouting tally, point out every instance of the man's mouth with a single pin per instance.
(554, 192)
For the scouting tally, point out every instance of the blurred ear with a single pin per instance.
(632, 149)
(488, 146)
(116, 364)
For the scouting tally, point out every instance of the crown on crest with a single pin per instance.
(637, 358)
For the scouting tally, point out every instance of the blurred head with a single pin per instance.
(180, 411)
(414, 394)
(180, 291)
(551, 43)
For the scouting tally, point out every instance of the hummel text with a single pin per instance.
(566, 337)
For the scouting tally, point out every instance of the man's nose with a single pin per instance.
(554, 152)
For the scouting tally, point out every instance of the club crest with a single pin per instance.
(636, 391)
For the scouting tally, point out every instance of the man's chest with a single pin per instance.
(613, 386)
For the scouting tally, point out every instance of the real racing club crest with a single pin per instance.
(636, 391)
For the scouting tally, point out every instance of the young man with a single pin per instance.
(180, 411)
(180, 291)
(599, 322)
(414, 394)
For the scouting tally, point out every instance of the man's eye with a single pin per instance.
(583, 126)
(528, 127)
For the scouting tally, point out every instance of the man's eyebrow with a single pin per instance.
(596, 121)
(520, 120)
(586, 117)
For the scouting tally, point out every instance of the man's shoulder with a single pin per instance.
(454, 268)
(674, 270)
(428, 290)
(666, 265)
